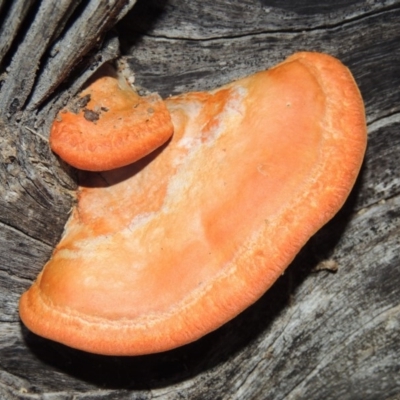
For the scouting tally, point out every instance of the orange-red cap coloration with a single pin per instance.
(110, 126)
(183, 241)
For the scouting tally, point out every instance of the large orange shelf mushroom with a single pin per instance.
(161, 252)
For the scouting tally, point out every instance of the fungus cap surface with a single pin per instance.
(110, 126)
(161, 252)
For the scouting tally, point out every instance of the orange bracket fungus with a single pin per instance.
(175, 245)
(110, 125)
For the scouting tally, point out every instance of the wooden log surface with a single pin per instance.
(316, 334)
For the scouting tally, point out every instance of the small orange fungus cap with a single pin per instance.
(110, 126)
(179, 243)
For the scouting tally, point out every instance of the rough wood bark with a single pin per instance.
(12, 19)
(316, 334)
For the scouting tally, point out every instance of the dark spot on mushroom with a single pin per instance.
(91, 115)
(78, 104)
(83, 101)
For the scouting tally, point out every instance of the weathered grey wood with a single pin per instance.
(13, 19)
(35, 197)
(21, 256)
(64, 48)
(89, 23)
(315, 334)
(177, 19)
(26, 61)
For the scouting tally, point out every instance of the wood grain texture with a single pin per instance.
(315, 334)
(13, 16)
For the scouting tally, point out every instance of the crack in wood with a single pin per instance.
(4, 226)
